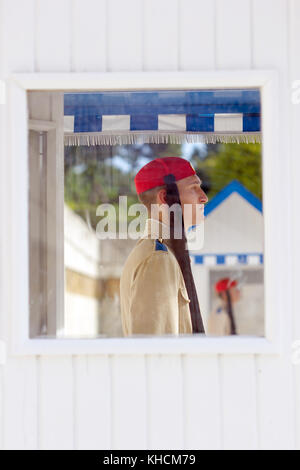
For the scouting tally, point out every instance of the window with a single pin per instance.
(85, 148)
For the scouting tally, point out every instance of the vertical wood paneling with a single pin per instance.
(160, 25)
(1, 407)
(89, 36)
(233, 34)
(56, 404)
(17, 402)
(19, 374)
(196, 35)
(18, 35)
(269, 33)
(125, 35)
(276, 400)
(129, 402)
(17, 55)
(165, 402)
(92, 402)
(294, 67)
(20, 414)
(53, 36)
(3, 210)
(202, 402)
(238, 398)
(275, 404)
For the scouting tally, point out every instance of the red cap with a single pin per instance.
(152, 174)
(224, 284)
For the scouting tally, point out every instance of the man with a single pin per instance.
(221, 321)
(157, 291)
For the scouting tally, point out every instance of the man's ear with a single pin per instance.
(161, 196)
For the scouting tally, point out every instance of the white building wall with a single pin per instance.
(235, 226)
(159, 401)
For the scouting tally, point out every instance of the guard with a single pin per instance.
(221, 321)
(157, 290)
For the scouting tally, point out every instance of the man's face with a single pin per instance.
(193, 197)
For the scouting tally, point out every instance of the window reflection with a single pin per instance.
(99, 174)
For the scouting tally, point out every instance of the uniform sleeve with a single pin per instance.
(154, 296)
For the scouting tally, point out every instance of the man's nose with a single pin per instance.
(203, 197)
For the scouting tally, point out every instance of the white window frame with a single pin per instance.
(18, 85)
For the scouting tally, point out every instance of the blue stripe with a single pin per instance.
(143, 122)
(197, 122)
(162, 102)
(251, 122)
(242, 258)
(220, 259)
(194, 123)
(86, 123)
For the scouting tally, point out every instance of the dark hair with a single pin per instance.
(149, 197)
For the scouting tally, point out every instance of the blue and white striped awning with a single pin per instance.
(228, 259)
(175, 116)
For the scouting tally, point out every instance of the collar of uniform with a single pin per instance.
(154, 229)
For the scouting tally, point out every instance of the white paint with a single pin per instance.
(238, 399)
(165, 402)
(89, 36)
(268, 83)
(111, 123)
(93, 395)
(2, 352)
(124, 24)
(233, 38)
(69, 123)
(81, 246)
(172, 122)
(228, 122)
(253, 259)
(81, 316)
(202, 404)
(129, 402)
(235, 226)
(196, 46)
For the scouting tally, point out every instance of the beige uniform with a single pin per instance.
(218, 323)
(154, 300)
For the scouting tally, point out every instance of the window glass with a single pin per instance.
(86, 219)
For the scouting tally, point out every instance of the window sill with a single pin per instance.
(145, 345)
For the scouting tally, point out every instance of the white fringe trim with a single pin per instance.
(159, 137)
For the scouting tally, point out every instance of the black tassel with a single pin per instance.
(179, 247)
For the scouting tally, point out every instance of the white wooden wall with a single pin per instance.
(159, 401)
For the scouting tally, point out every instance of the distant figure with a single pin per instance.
(221, 321)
